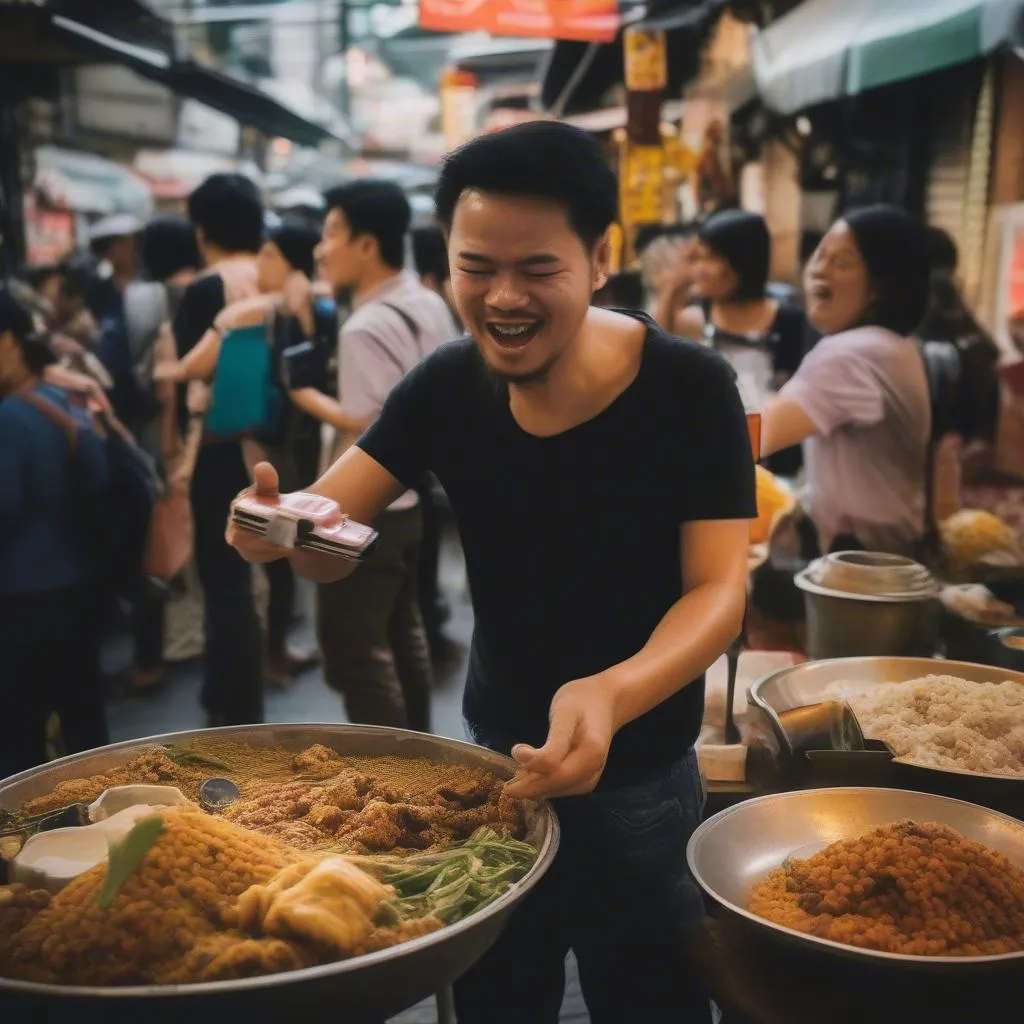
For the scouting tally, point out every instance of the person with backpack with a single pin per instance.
(370, 627)
(241, 356)
(50, 615)
(226, 212)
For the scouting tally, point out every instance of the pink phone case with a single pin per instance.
(302, 520)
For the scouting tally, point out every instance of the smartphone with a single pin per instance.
(304, 521)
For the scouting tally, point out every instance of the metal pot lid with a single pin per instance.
(868, 576)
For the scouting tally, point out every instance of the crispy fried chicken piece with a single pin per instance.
(376, 827)
(315, 758)
(343, 792)
(511, 814)
(327, 818)
(468, 790)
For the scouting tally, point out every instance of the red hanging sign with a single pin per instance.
(589, 20)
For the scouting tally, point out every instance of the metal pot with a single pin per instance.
(366, 988)
(863, 603)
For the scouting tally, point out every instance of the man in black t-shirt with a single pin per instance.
(227, 214)
(601, 476)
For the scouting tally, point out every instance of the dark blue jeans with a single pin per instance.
(620, 897)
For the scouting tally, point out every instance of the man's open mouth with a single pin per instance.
(514, 334)
(821, 292)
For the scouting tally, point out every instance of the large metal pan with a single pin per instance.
(732, 851)
(366, 988)
(815, 681)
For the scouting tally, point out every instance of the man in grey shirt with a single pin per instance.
(370, 626)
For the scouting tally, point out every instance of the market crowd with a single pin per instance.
(231, 336)
(599, 470)
(215, 341)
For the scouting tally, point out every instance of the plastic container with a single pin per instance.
(50, 860)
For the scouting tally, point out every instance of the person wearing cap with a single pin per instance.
(113, 243)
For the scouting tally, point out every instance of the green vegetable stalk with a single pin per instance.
(125, 857)
(454, 883)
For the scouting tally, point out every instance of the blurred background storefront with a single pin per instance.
(793, 109)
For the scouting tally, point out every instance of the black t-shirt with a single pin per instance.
(572, 542)
(202, 301)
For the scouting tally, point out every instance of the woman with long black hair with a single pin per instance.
(50, 618)
(762, 338)
(860, 403)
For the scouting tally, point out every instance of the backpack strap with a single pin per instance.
(937, 369)
(414, 328)
(103, 424)
(54, 413)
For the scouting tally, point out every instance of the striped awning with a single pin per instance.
(824, 50)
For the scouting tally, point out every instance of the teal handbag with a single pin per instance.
(244, 399)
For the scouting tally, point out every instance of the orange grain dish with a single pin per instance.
(175, 920)
(906, 888)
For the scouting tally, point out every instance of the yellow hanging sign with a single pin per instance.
(641, 185)
(646, 60)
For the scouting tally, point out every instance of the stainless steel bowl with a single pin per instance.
(729, 853)
(373, 987)
(815, 681)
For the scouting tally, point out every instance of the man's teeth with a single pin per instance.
(511, 330)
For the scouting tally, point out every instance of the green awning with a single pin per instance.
(826, 49)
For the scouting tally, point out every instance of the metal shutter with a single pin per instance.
(956, 196)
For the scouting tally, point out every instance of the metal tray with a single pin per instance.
(809, 683)
(370, 987)
(738, 847)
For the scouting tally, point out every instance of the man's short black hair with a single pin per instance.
(378, 209)
(541, 159)
(229, 209)
(169, 247)
(430, 252)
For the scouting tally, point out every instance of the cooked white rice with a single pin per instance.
(944, 721)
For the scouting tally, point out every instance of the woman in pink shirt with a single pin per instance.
(859, 403)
